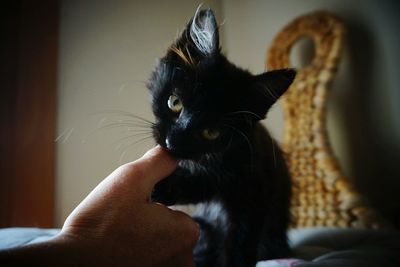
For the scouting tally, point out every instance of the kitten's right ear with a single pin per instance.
(268, 87)
(275, 82)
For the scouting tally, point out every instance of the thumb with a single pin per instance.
(143, 174)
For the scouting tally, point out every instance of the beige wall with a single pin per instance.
(108, 49)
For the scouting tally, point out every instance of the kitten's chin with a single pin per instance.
(184, 154)
(180, 153)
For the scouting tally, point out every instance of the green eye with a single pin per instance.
(210, 134)
(175, 104)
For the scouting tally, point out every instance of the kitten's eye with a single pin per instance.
(210, 134)
(174, 103)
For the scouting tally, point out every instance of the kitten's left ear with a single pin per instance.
(203, 32)
(268, 87)
(199, 40)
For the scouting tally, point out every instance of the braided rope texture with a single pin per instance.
(322, 194)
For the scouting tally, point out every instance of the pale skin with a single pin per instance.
(118, 225)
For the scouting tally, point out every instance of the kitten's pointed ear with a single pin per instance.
(203, 32)
(268, 87)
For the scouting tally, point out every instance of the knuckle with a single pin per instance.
(130, 174)
(193, 233)
(133, 168)
(189, 229)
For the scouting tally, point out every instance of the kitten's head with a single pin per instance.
(203, 103)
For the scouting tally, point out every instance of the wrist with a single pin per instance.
(58, 251)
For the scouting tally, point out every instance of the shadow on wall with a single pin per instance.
(374, 159)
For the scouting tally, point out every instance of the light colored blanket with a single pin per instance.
(313, 247)
(330, 247)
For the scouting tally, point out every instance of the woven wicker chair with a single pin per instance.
(322, 195)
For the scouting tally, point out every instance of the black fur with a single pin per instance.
(242, 170)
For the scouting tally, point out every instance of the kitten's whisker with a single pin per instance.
(121, 124)
(140, 130)
(123, 113)
(130, 120)
(248, 142)
(101, 121)
(130, 146)
(229, 143)
(273, 152)
(231, 120)
(245, 112)
(122, 141)
(64, 135)
(129, 127)
(133, 123)
(243, 135)
(263, 88)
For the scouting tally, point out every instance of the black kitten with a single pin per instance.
(207, 114)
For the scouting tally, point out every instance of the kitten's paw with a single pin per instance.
(162, 194)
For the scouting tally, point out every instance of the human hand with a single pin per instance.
(118, 225)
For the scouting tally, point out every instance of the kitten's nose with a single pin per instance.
(167, 143)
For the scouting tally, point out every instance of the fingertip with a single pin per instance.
(157, 164)
(154, 151)
(159, 152)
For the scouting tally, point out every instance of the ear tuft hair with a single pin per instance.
(204, 31)
(276, 82)
(268, 87)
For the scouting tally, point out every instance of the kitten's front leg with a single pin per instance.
(241, 243)
(183, 187)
